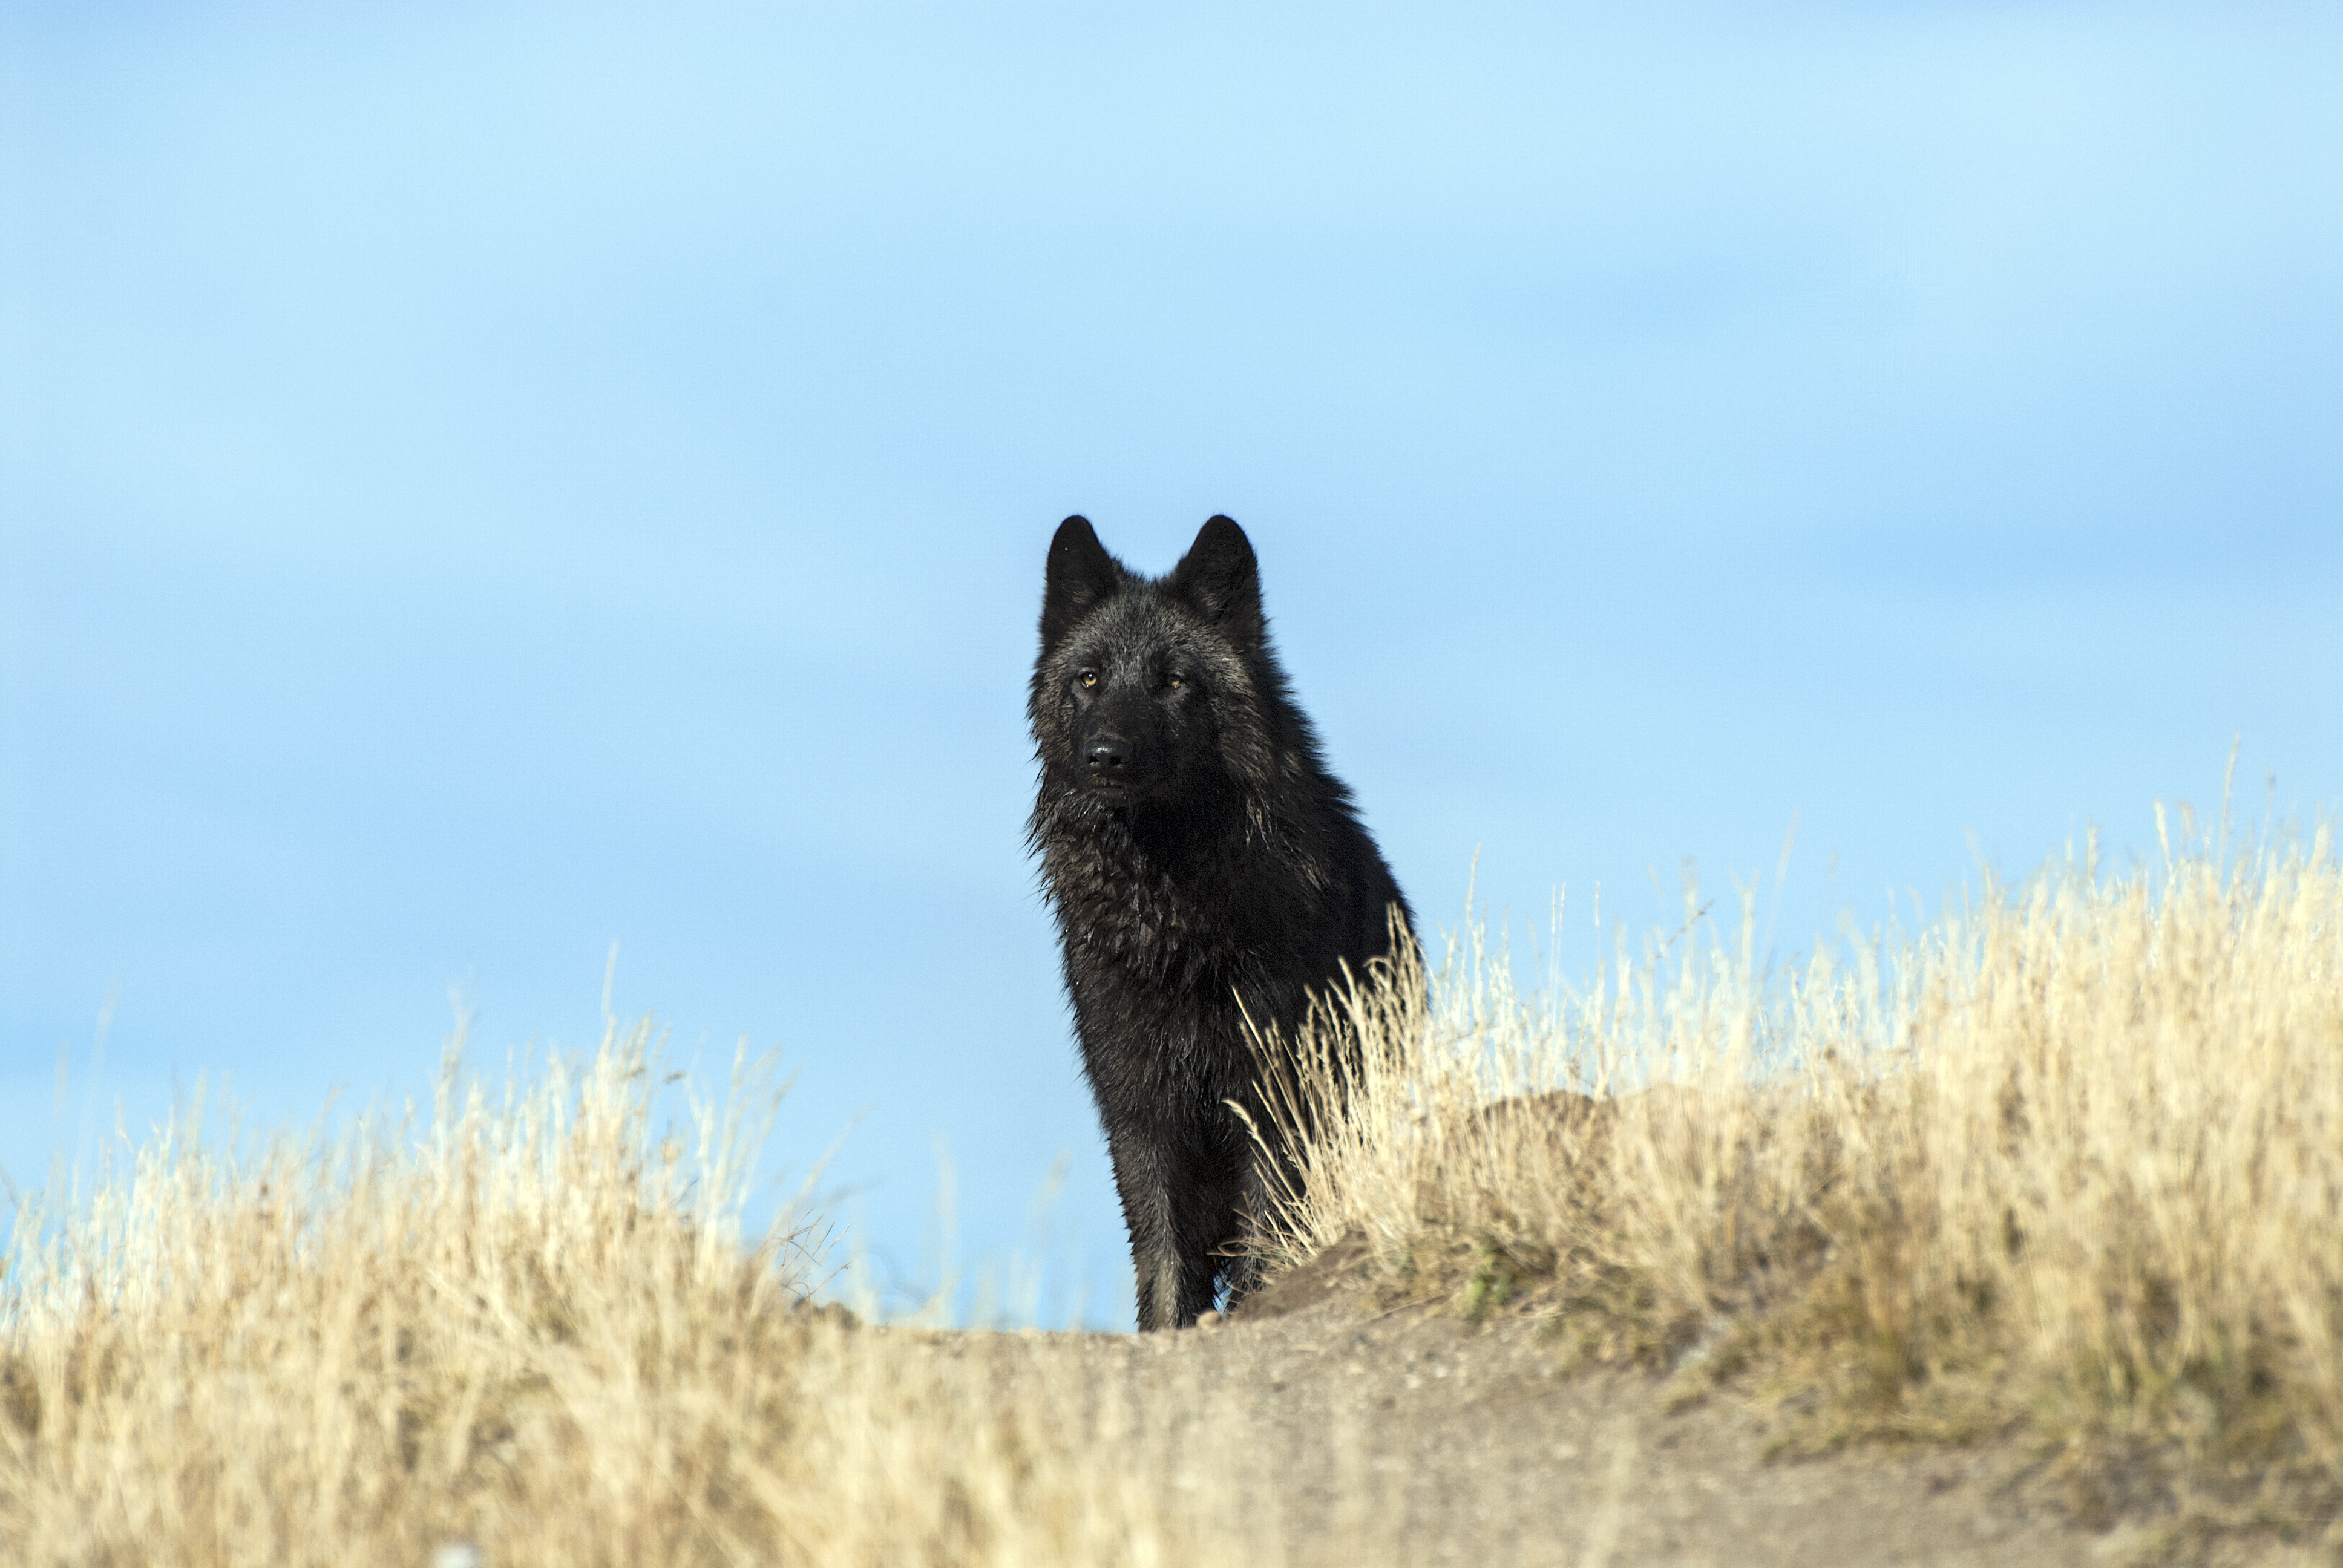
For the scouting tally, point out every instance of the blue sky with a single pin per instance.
(481, 482)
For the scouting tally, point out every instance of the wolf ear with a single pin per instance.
(1220, 577)
(1081, 577)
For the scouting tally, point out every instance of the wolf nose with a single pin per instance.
(1108, 755)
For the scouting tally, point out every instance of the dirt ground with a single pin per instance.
(1413, 1437)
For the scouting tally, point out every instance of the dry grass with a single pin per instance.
(532, 1327)
(2070, 1161)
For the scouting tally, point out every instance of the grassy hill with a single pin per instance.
(2057, 1178)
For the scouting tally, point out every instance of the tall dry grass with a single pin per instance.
(529, 1327)
(2073, 1154)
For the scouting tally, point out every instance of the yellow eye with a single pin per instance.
(1087, 677)
(1176, 679)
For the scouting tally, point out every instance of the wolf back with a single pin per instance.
(1204, 867)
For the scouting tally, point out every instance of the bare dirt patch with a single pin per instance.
(1413, 1436)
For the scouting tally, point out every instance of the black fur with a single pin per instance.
(1204, 867)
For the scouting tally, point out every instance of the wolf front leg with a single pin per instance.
(1181, 1207)
(1140, 1181)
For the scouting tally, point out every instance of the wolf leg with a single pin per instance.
(1208, 1215)
(1142, 1178)
(1268, 1177)
(1181, 1204)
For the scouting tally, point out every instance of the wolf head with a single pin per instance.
(1153, 690)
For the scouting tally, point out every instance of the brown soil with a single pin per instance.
(1410, 1437)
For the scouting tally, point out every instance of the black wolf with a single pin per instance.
(1204, 869)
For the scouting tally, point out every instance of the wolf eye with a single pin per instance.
(1087, 677)
(1175, 679)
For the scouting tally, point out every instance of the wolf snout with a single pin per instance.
(1109, 759)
